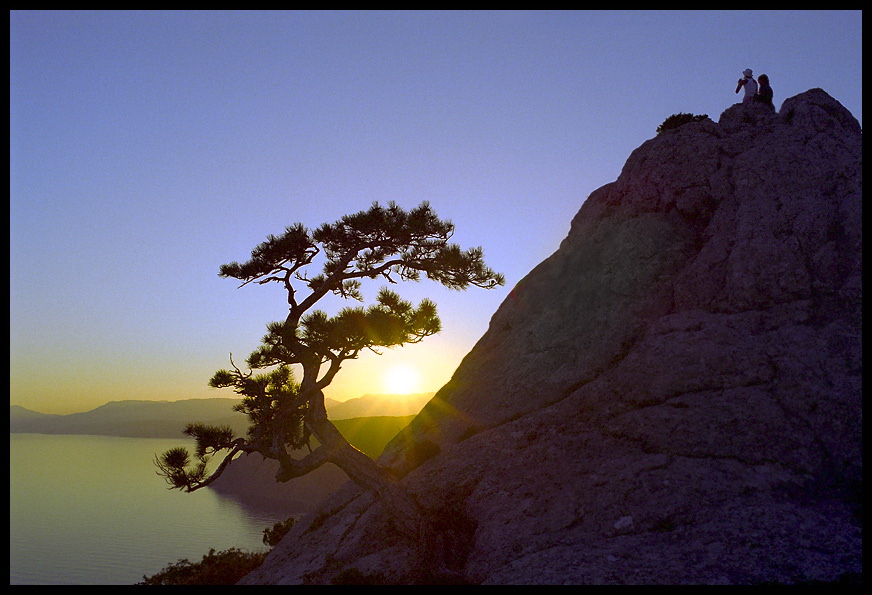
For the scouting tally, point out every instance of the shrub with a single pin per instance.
(223, 568)
(273, 535)
(676, 120)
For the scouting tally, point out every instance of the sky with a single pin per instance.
(149, 148)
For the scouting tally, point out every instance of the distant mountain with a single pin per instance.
(19, 413)
(166, 419)
(137, 419)
(377, 405)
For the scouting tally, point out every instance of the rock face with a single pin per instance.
(673, 397)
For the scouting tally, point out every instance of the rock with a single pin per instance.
(673, 397)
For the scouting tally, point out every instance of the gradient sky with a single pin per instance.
(148, 148)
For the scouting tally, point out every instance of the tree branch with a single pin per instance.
(335, 362)
(290, 468)
(238, 446)
(238, 371)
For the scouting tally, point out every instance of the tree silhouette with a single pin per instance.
(284, 414)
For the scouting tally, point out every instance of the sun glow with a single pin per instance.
(401, 380)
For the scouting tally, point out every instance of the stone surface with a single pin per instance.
(673, 397)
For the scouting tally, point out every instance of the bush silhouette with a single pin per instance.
(222, 568)
(676, 120)
(274, 534)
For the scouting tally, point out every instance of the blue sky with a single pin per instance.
(149, 148)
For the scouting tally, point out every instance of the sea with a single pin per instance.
(90, 510)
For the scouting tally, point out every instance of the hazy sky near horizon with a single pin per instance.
(149, 148)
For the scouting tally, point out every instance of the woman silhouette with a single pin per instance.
(764, 95)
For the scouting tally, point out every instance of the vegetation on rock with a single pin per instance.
(676, 120)
(216, 568)
(222, 568)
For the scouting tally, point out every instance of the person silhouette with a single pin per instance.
(750, 86)
(764, 94)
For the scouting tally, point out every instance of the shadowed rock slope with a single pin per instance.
(674, 396)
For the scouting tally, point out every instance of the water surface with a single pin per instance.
(90, 510)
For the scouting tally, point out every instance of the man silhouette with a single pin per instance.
(750, 86)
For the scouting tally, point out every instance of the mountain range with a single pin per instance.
(165, 419)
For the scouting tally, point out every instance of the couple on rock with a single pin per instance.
(763, 94)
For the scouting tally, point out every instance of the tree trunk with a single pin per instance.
(402, 511)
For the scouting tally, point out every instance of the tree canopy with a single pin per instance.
(381, 242)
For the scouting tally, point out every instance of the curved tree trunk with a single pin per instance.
(438, 537)
(403, 512)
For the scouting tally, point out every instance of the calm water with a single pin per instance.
(90, 510)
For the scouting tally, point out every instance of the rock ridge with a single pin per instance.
(672, 397)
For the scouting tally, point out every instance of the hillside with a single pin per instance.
(17, 413)
(673, 397)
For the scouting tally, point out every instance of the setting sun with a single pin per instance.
(401, 380)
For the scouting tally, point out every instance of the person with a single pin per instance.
(764, 94)
(750, 86)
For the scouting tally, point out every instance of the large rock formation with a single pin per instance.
(674, 396)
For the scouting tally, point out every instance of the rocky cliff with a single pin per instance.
(674, 396)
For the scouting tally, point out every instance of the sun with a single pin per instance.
(401, 380)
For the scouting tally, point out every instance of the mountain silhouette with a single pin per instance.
(377, 405)
(130, 418)
(167, 419)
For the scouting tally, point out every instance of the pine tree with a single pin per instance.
(284, 414)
